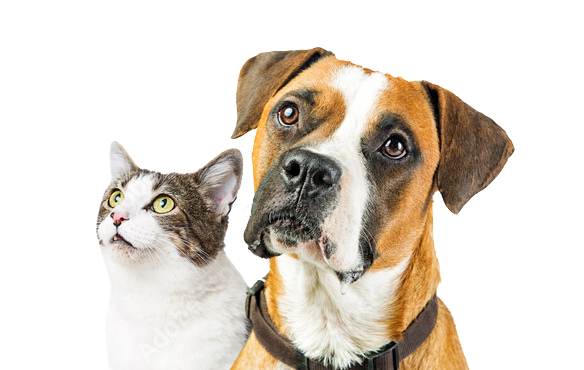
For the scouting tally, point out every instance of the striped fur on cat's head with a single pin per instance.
(149, 217)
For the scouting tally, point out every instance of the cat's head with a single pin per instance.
(149, 217)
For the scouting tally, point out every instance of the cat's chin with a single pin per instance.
(118, 239)
(125, 252)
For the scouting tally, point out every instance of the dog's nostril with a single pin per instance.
(310, 172)
(292, 169)
(322, 178)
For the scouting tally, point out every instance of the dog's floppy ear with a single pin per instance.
(473, 148)
(262, 76)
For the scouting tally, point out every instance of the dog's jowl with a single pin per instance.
(346, 161)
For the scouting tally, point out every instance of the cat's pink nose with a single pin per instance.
(119, 217)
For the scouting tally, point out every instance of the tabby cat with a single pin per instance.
(176, 300)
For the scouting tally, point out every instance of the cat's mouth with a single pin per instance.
(119, 239)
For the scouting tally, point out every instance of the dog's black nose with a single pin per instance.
(314, 173)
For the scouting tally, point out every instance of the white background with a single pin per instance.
(160, 78)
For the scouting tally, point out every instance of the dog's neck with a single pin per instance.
(305, 302)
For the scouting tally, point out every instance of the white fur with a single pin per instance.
(165, 312)
(325, 324)
(361, 92)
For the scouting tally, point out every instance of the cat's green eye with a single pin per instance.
(116, 198)
(162, 204)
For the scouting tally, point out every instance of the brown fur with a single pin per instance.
(258, 357)
(461, 152)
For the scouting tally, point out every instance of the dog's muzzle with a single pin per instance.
(298, 192)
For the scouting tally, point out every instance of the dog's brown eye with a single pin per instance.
(394, 148)
(288, 115)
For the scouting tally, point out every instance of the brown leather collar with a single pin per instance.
(388, 357)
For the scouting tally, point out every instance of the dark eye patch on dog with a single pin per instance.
(390, 126)
(305, 101)
(391, 174)
(306, 95)
(389, 177)
(301, 96)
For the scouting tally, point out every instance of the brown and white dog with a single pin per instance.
(346, 161)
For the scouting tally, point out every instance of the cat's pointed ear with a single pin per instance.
(220, 180)
(120, 161)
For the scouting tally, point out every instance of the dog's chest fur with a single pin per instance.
(325, 324)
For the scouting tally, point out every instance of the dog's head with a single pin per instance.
(346, 160)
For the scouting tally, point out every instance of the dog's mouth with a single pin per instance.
(286, 228)
(288, 232)
(291, 229)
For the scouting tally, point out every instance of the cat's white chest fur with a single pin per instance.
(176, 317)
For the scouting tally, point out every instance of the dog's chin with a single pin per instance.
(275, 233)
(280, 238)
(303, 246)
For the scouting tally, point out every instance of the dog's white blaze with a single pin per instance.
(325, 324)
(361, 92)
